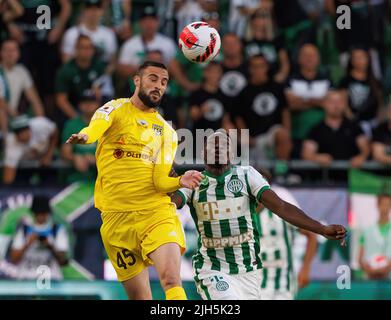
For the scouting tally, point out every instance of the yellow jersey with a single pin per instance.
(134, 156)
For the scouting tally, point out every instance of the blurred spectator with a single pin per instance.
(188, 11)
(375, 243)
(262, 41)
(133, 51)
(294, 24)
(305, 92)
(263, 110)
(118, 14)
(90, 25)
(82, 156)
(381, 147)
(40, 243)
(30, 139)
(207, 105)
(336, 138)
(213, 19)
(19, 81)
(39, 45)
(367, 28)
(235, 71)
(77, 77)
(4, 99)
(239, 14)
(9, 11)
(363, 90)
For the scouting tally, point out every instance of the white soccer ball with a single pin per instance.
(199, 42)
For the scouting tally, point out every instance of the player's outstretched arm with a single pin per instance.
(298, 218)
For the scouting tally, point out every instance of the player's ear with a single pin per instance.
(136, 80)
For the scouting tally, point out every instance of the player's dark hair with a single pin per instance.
(258, 56)
(149, 63)
(40, 204)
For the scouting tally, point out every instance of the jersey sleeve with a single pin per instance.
(19, 240)
(163, 164)
(185, 194)
(257, 183)
(100, 122)
(61, 241)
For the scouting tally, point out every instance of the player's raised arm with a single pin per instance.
(100, 122)
(298, 218)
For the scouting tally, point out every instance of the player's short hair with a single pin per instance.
(41, 204)
(149, 63)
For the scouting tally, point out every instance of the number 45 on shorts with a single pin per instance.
(125, 258)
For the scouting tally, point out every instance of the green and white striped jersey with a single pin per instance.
(276, 237)
(224, 211)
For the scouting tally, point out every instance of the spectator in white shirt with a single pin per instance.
(32, 139)
(103, 38)
(133, 51)
(19, 80)
(40, 243)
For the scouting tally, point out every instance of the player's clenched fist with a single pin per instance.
(335, 232)
(77, 138)
(191, 179)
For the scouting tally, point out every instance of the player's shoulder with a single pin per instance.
(112, 107)
(115, 104)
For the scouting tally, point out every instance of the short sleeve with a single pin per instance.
(61, 242)
(257, 183)
(361, 239)
(112, 41)
(185, 194)
(13, 152)
(28, 81)
(43, 124)
(19, 240)
(128, 52)
(68, 43)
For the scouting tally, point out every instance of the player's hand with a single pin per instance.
(335, 232)
(191, 179)
(77, 138)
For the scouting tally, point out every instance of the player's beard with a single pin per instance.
(146, 100)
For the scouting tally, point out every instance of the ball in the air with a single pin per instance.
(199, 42)
(378, 262)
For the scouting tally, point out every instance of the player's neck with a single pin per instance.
(232, 62)
(383, 220)
(218, 171)
(140, 105)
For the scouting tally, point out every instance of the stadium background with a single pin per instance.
(335, 194)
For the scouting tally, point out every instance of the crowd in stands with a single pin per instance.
(304, 88)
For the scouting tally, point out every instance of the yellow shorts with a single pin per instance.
(129, 237)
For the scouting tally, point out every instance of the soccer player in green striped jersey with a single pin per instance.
(227, 264)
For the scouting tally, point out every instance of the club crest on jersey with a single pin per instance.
(222, 285)
(158, 129)
(142, 122)
(235, 185)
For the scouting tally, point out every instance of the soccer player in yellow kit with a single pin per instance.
(135, 153)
